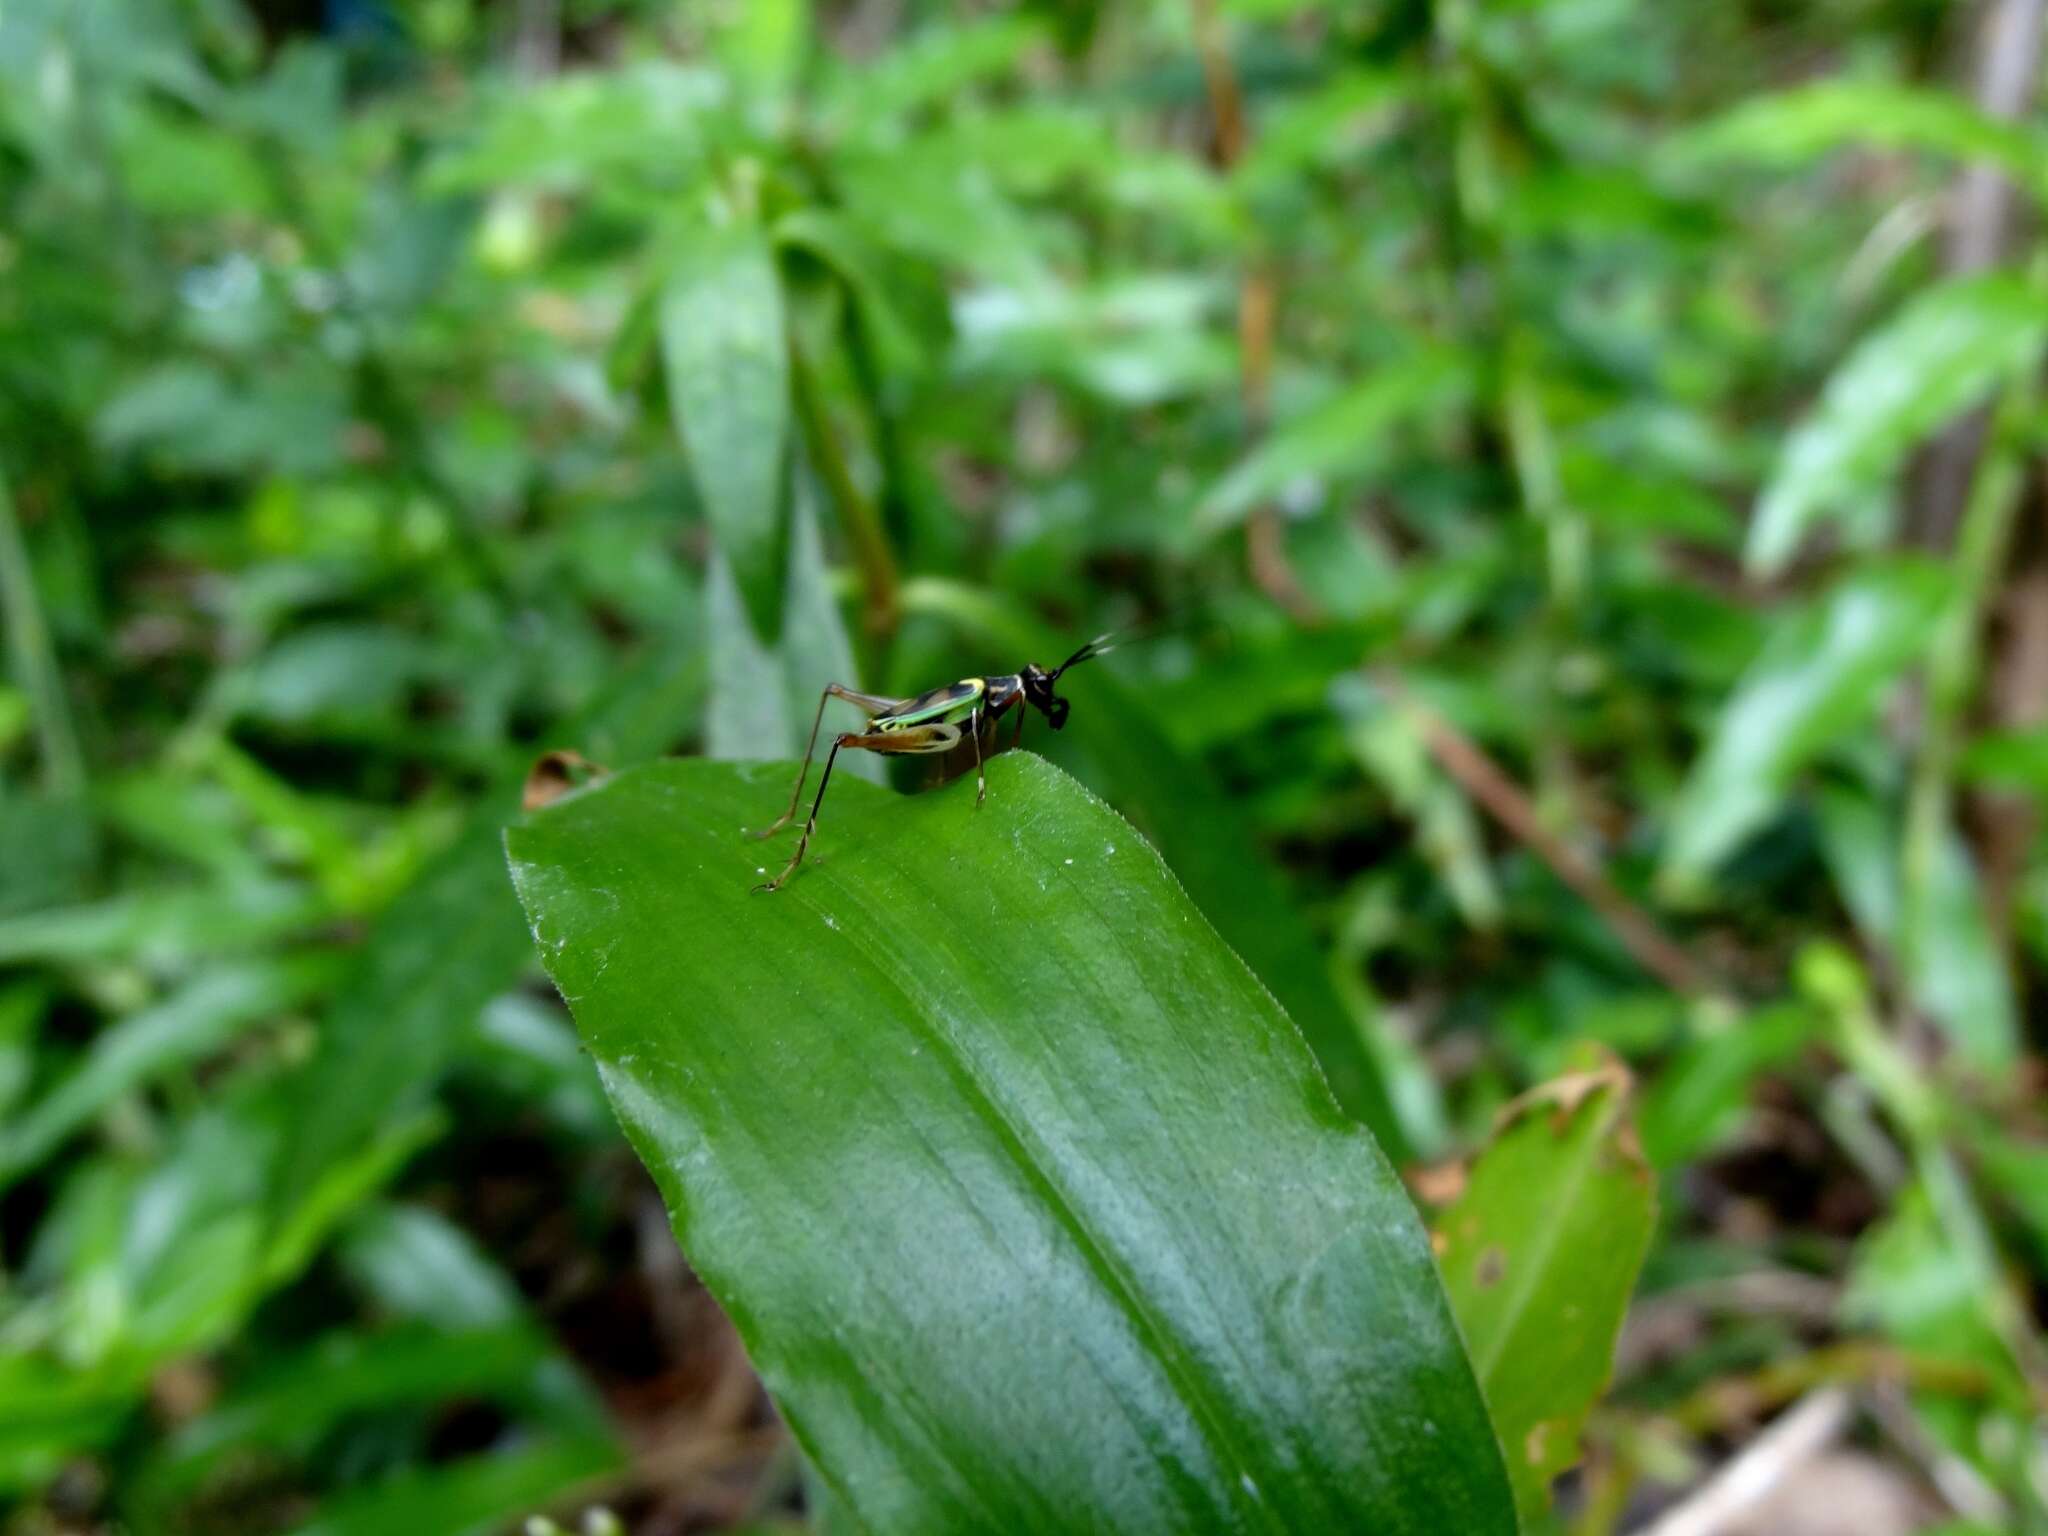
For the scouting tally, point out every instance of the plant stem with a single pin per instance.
(1258, 295)
(857, 514)
(1952, 660)
(35, 659)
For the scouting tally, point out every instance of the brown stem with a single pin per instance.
(1257, 316)
(1486, 782)
(2008, 52)
(857, 514)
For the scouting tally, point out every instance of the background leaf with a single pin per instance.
(1797, 125)
(1821, 673)
(1945, 351)
(727, 361)
(1030, 1204)
(451, 943)
(1539, 1255)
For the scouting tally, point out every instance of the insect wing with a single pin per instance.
(935, 704)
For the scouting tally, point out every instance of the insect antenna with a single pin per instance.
(1094, 648)
(1117, 639)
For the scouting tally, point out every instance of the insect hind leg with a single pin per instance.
(923, 738)
(803, 843)
(869, 702)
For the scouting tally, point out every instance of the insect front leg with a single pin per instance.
(975, 722)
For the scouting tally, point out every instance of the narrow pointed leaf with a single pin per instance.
(1795, 126)
(764, 698)
(1942, 353)
(1540, 1254)
(723, 343)
(1952, 965)
(1026, 1197)
(1822, 673)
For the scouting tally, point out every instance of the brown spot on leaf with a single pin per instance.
(1537, 1441)
(1493, 1263)
(1565, 1096)
(1438, 1183)
(554, 774)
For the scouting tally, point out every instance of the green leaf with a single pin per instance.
(165, 928)
(1940, 354)
(1700, 1096)
(584, 127)
(1343, 437)
(1800, 125)
(1821, 674)
(1386, 737)
(477, 1495)
(419, 1264)
(1955, 971)
(722, 341)
(1028, 1201)
(51, 843)
(840, 245)
(184, 1028)
(764, 698)
(1540, 1254)
(451, 942)
(291, 1402)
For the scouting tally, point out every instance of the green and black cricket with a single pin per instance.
(935, 721)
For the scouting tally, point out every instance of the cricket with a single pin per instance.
(933, 721)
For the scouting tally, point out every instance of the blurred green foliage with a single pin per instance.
(1544, 385)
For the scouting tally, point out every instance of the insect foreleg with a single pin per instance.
(975, 722)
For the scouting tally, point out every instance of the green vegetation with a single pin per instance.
(1582, 458)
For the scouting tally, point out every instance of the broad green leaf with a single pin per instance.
(419, 1264)
(727, 362)
(1943, 352)
(1539, 1254)
(1124, 753)
(761, 44)
(1027, 1199)
(51, 843)
(1134, 341)
(1802, 124)
(47, 1411)
(1928, 1293)
(1821, 673)
(2012, 759)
